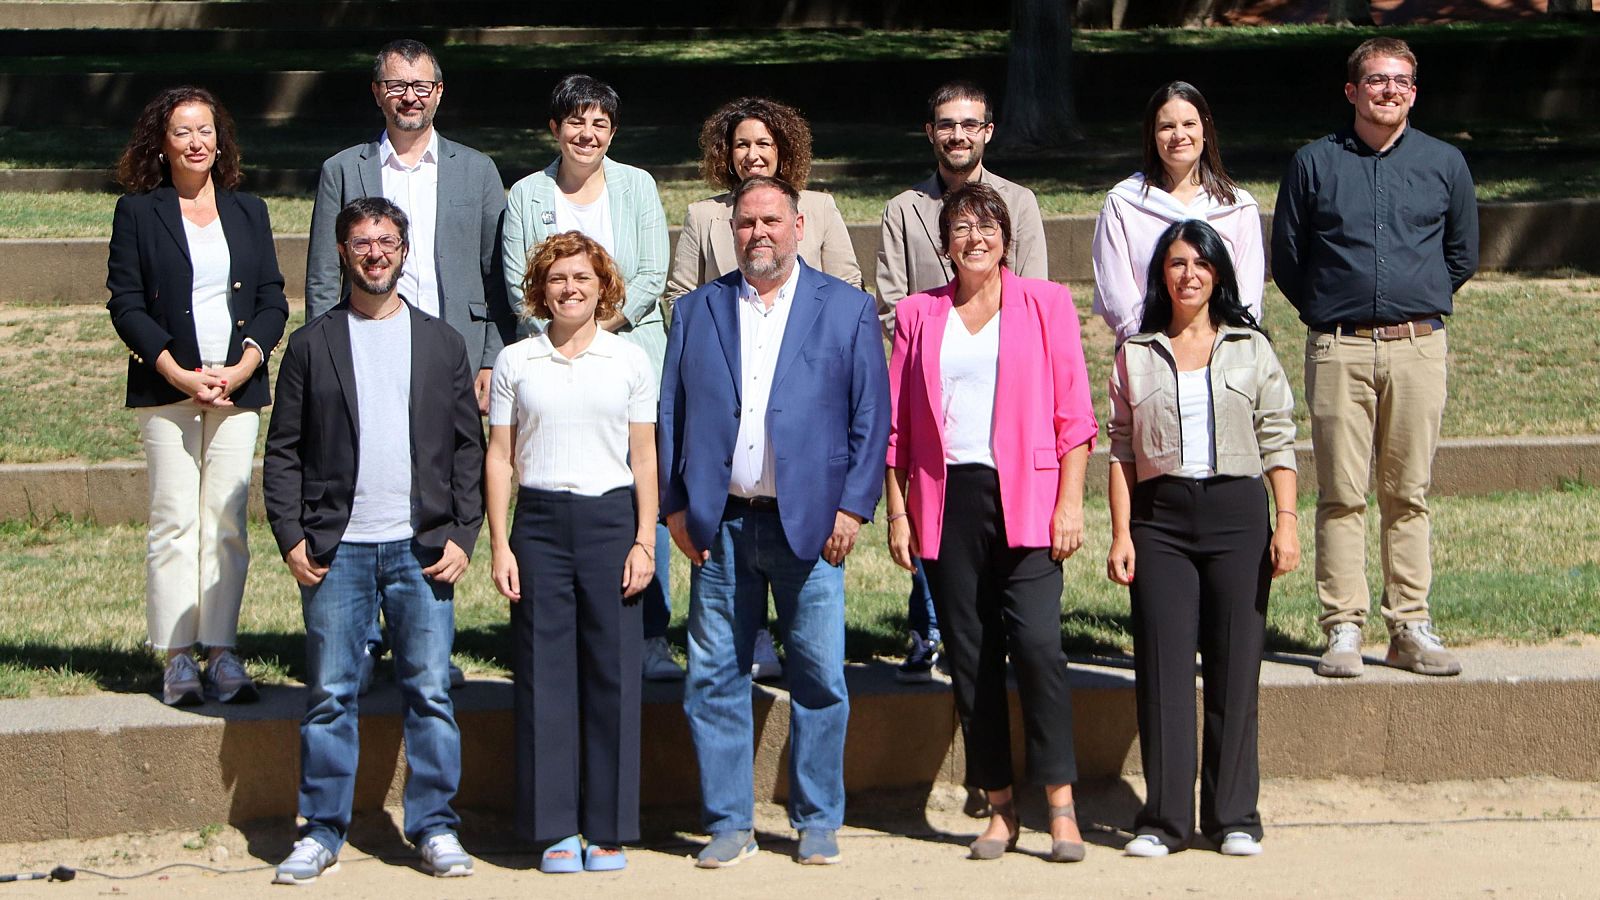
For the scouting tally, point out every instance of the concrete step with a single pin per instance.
(1536, 236)
(116, 492)
(103, 764)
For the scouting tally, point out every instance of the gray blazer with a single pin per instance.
(466, 246)
(911, 259)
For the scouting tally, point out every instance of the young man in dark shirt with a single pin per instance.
(1376, 228)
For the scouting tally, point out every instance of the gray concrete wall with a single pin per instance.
(1554, 234)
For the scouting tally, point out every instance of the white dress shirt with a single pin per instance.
(415, 189)
(760, 338)
(571, 416)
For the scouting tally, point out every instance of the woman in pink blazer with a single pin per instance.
(985, 483)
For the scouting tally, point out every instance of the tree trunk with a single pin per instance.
(1038, 110)
(1350, 12)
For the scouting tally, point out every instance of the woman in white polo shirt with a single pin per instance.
(572, 415)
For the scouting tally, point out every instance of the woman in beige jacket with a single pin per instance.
(1200, 409)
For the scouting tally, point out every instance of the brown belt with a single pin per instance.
(763, 504)
(1391, 332)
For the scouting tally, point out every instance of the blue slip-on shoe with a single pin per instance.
(595, 861)
(818, 847)
(561, 865)
(728, 848)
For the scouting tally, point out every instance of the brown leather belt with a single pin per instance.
(1391, 332)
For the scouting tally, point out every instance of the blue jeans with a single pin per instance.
(727, 605)
(656, 598)
(920, 616)
(338, 613)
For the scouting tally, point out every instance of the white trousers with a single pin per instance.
(198, 551)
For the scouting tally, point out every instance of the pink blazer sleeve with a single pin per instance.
(1074, 409)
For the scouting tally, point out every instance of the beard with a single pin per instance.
(974, 153)
(766, 268)
(417, 124)
(376, 288)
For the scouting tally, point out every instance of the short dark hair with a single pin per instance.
(980, 201)
(1213, 177)
(758, 182)
(408, 50)
(576, 93)
(1226, 307)
(141, 167)
(362, 209)
(1381, 46)
(789, 130)
(959, 90)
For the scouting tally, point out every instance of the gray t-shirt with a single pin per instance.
(381, 351)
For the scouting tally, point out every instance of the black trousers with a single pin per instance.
(992, 601)
(575, 660)
(1202, 570)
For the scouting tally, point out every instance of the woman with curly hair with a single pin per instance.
(197, 296)
(745, 137)
(572, 414)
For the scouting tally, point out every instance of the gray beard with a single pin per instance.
(763, 270)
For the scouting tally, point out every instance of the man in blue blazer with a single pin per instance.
(774, 424)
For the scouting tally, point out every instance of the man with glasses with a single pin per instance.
(454, 198)
(911, 260)
(1376, 228)
(372, 478)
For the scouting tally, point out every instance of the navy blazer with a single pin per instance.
(313, 441)
(151, 280)
(827, 417)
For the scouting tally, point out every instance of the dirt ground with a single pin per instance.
(1505, 838)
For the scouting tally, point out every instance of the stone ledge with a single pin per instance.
(118, 491)
(104, 764)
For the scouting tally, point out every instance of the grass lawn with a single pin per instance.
(1514, 567)
(68, 360)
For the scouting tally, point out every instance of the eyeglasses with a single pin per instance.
(949, 126)
(1400, 82)
(962, 229)
(423, 89)
(386, 244)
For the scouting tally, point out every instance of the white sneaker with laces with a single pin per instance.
(764, 664)
(1342, 659)
(306, 862)
(444, 856)
(227, 678)
(658, 664)
(1145, 845)
(180, 682)
(1237, 843)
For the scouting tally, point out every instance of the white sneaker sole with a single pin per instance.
(1145, 849)
(284, 878)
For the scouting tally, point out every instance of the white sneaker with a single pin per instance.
(444, 856)
(1145, 845)
(180, 682)
(1237, 843)
(1342, 659)
(306, 862)
(764, 664)
(658, 664)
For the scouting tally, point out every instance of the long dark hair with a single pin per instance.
(1226, 307)
(1213, 177)
(140, 169)
(789, 130)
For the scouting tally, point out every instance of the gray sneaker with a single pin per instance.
(657, 663)
(764, 662)
(306, 862)
(728, 848)
(227, 679)
(818, 847)
(180, 682)
(1342, 659)
(1414, 646)
(444, 856)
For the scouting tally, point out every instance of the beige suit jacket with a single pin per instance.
(705, 247)
(911, 259)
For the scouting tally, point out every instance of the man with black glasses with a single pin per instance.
(1376, 229)
(454, 198)
(911, 260)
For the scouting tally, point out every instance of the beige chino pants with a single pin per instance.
(198, 550)
(1387, 396)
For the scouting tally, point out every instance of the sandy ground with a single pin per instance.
(1509, 838)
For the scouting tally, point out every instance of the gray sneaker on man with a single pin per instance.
(818, 847)
(306, 862)
(180, 682)
(657, 663)
(1414, 646)
(227, 679)
(444, 856)
(1342, 659)
(764, 662)
(728, 848)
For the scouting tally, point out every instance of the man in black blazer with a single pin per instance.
(373, 471)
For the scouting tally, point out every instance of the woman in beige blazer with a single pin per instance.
(756, 136)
